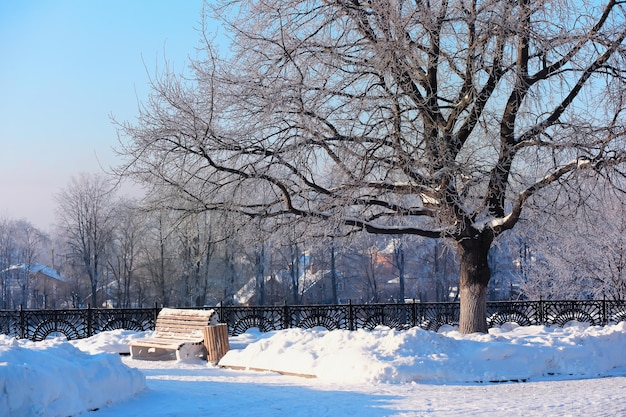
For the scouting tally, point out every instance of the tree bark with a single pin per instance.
(474, 278)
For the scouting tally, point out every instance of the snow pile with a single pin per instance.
(54, 378)
(113, 341)
(382, 355)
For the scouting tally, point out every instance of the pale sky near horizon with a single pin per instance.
(66, 67)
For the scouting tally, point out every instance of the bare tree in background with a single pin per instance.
(197, 236)
(124, 250)
(399, 262)
(30, 241)
(158, 257)
(21, 246)
(583, 256)
(441, 118)
(285, 260)
(86, 219)
(7, 258)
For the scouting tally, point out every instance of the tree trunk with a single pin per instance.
(333, 273)
(400, 263)
(473, 282)
(259, 267)
(94, 293)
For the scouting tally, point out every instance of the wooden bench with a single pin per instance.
(178, 334)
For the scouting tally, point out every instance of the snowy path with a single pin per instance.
(201, 390)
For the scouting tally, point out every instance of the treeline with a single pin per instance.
(113, 251)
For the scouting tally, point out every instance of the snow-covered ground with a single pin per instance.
(576, 370)
(54, 378)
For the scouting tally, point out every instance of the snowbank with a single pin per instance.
(383, 355)
(114, 341)
(54, 378)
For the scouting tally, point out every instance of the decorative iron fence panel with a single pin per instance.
(524, 313)
(80, 323)
(138, 319)
(37, 325)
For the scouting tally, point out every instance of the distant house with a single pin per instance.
(317, 287)
(314, 287)
(275, 291)
(32, 286)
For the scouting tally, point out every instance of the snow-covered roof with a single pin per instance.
(247, 292)
(37, 268)
(308, 279)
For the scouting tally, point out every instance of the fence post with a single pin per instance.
(350, 316)
(22, 332)
(286, 321)
(89, 321)
(605, 319)
(541, 315)
(413, 314)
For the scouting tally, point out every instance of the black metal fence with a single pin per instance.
(80, 323)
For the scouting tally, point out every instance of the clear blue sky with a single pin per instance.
(65, 68)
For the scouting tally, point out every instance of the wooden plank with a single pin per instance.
(172, 321)
(244, 368)
(174, 333)
(199, 319)
(185, 312)
(175, 319)
(172, 343)
(181, 327)
(185, 337)
(216, 341)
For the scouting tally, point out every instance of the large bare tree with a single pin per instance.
(435, 118)
(87, 217)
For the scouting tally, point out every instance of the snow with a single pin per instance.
(54, 378)
(531, 371)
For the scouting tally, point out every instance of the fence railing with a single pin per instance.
(80, 323)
